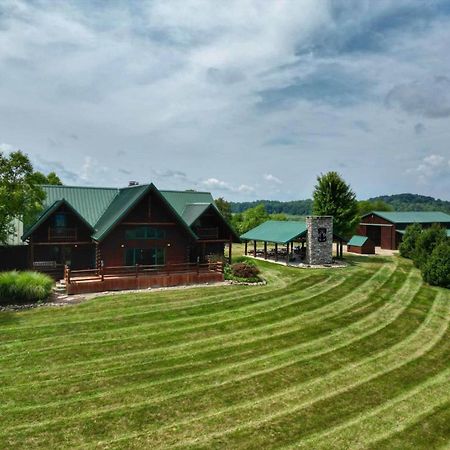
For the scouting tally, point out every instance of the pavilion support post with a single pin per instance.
(341, 245)
(245, 251)
(254, 249)
(276, 252)
(265, 249)
(230, 250)
(287, 254)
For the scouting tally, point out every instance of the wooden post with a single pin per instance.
(31, 253)
(230, 250)
(265, 249)
(245, 251)
(287, 254)
(276, 251)
(136, 270)
(254, 249)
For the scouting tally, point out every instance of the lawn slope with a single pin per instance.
(355, 357)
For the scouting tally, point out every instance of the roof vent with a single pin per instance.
(133, 183)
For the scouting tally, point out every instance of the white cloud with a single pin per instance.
(272, 178)
(432, 168)
(6, 148)
(177, 84)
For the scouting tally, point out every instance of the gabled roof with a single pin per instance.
(278, 231)
(118, 208)
(192, 211)
(179, 199)
(48, 212)
(89, 202)
(412, 216)
(102, 208)
(357, 241)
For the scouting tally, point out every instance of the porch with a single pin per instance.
(141, 277)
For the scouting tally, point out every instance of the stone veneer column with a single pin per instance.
(319, 240)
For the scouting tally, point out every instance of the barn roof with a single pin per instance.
(357, 241)
(278, 231)
(412, 216)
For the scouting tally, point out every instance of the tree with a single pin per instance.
(224, 207)
(250, 219)
(426, 243)
(20, 195)
(51, 178)
(436, 270)
(333, 197)
(408, 246)
(367, 206)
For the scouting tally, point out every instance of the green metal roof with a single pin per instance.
(89, 202)
(179, 199)
(412, 216)
(48, 212)
(118, 208)
(192, 211)
(357, 241)
(278, 231)
(103, 208)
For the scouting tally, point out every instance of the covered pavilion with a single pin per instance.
(283, 233)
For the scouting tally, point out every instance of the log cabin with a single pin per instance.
(139, 225)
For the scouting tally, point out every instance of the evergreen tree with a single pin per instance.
(426, 242)
(408, 246)
(333, 197)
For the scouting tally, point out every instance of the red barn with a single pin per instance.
(386, 228)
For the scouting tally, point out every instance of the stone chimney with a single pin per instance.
(319, 240)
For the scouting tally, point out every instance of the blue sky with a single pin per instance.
(248, 99)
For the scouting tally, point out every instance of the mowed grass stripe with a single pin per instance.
(382, 423)
(323, 369)
(332, 340)
(159, 317)
(137, 415)
(406, 366)
(200, 342)
(96, 419)
(179, 324)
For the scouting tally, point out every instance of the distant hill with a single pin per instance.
(414, 202)
(400, 202)
(294, 208)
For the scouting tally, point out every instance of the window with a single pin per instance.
(60, 220)
(145, 256)
(144, 233)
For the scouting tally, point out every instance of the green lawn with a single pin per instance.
(317, 359)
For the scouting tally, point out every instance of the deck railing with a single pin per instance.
(62, 234)
(138, 271)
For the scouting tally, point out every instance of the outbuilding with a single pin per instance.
(386, 228)
(361, 245)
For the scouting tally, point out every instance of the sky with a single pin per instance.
(246, 99)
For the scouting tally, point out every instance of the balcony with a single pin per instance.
(62, 234)
(207, 233)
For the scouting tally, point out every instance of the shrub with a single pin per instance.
(436, 270)
(408, 245)
(244, 259)
(244, 270)
(426, 242)
(24, 287)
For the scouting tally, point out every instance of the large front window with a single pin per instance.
(145, 256)
(144, 233)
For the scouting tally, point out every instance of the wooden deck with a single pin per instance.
(141, 277)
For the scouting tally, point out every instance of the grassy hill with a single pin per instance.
(342, 358)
